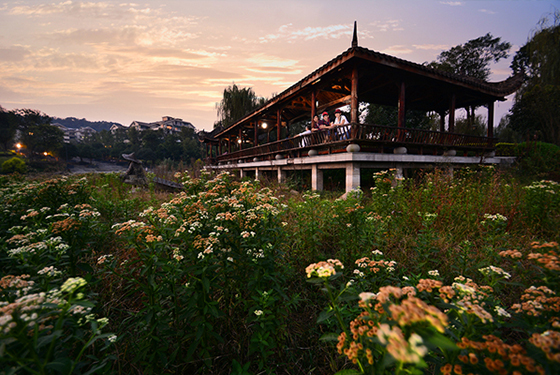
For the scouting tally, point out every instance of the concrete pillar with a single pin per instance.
(281, 176)
(257, 174)
(352, 176)
(316, 178)
(241, 173)
(450, 172)
(399, 173)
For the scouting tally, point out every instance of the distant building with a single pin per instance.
(69, 133)
(167, 124)
(116, 127)
(84, 133)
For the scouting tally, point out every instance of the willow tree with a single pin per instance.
(235, 104)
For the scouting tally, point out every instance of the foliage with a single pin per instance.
(538, 159)
(210, 280)
(404, 327)
(388, 116)
(235, 104)
(207, 265)
(8, 128)
(48, 323)
(12, 165)
(536, 110)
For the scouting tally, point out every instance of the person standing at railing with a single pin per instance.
(315, 124)
(340, 120)
(325, 125)
(304, 140)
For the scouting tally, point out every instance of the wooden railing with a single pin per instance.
(367, 136)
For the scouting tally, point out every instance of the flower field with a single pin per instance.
(425, 275)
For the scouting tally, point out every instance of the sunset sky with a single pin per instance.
(116, 61)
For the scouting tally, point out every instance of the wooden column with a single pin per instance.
(278, 123)
(313, 103)
(354, 97)
(401, 117)
(451, 127)
(442, 121)
(240, 139)
(490, 132)
(219, 147)
(229, 143)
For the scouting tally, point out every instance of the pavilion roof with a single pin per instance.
(380, 75)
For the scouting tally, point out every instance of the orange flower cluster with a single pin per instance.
(550, 259)
(547, 342)
(362, 326)
(447, 293)
(428, 285)
(512, 358)
(375, 265)
(413, 310)
(68, 224)
(513, 254)
(17, 282)
(535, 301)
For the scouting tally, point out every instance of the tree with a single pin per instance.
(37, 133)
(536, 110)
(235, 104)
(8, 128)
(472, 59)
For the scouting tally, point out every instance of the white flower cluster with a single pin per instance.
(73, 284)
(50, 271)
(494, 270)
(497, 218)
(103, 258)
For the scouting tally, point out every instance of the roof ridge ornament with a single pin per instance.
(355, 36)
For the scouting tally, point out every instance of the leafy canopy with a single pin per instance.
(473, 58)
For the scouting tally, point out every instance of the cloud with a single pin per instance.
(13, 53)
(431, 47)
(397, 50)
(388, 25)
(308, 33)
(452, 3)
(486, 11)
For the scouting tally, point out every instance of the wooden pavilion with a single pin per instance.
(260, 141)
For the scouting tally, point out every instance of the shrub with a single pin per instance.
(13, 165)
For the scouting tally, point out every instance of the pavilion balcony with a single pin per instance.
(370, 138)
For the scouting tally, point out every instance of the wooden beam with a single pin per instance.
(346, 100)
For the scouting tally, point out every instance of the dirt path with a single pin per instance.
(96, 167)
